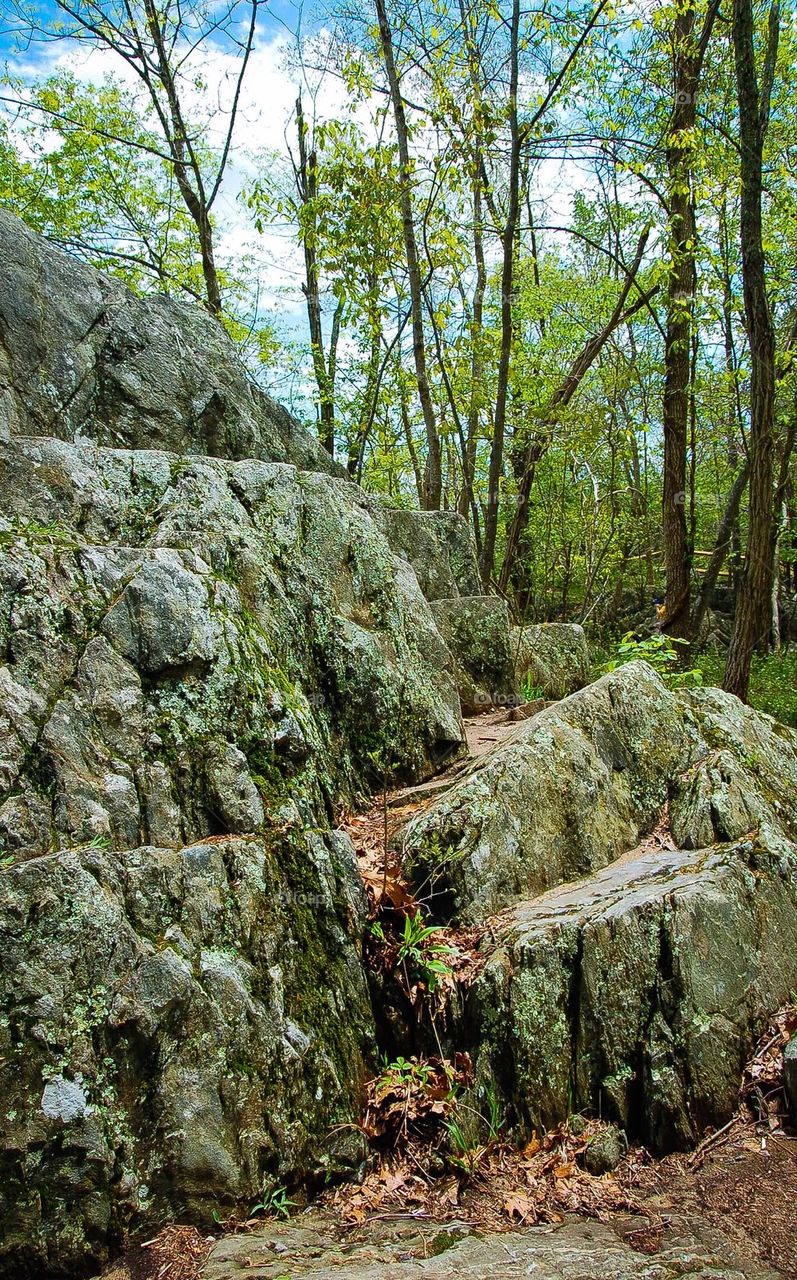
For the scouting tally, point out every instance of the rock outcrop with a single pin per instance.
(192, 645)
(80, 355)
(476, 630)
(551, 658)
(181, 1026)
(202, 658)
(637, 990)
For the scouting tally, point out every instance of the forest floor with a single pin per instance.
(731, 1214)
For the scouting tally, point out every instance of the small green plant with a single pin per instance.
(660, 652)
(421, 947)
(275, 1204)
(466, 1155)
(6, 859)
(531, 692)
(405, 1073)
(99, 842)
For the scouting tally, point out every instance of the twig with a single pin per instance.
(708, 1142)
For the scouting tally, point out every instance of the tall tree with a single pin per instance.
(689, 50)
(162, 44)
(433, 474)
(306, 178)
(752, 620)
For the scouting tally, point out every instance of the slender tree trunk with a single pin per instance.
(185, 159)
(507, 313)
(307, 185)
(722, 544)
(688, 57)
(433, 476)
(751, 623)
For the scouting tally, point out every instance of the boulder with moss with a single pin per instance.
(182, 1029)
(551, 658)
(476, 630)
(631, 856)
(192, 646)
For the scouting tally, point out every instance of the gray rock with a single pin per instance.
(551, 658)
(633, 992)
(82, 356)
(309, 1247)
(438, 545)
(605, 1150)
(64, 1100)
(571, 790)
(150, 1004)
(476, 630)
(160, 612)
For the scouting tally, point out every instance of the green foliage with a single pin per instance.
(773, 682)
(405, 1073)
(660, 652)
(421, 947)
(275, 1204)
(531, 692)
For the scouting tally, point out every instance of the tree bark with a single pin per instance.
(307, 188)
(752, 619)
(688, 58)
(433, 476)
(507, 313)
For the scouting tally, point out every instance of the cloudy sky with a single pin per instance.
(265, 125)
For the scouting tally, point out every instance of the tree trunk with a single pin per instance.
(752, 619)
(307, 186)
(507, 313)
(433, 476)
(722, 545)
(687, 62)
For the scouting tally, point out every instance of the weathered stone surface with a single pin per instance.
(635, 990)
(578, 1250)
(191, 646)
(605, 1151)
(80, 355)
(551, 657)
(572, 789)
(179, 1026)
(438, 545)
(476, 630)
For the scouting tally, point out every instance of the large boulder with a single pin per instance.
(181, 1027)
(551, 658)
(571, 790)
(637, 990)
(191, 647)
(81, 355)
(634, 992)
(438, 545)
(476, 630)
